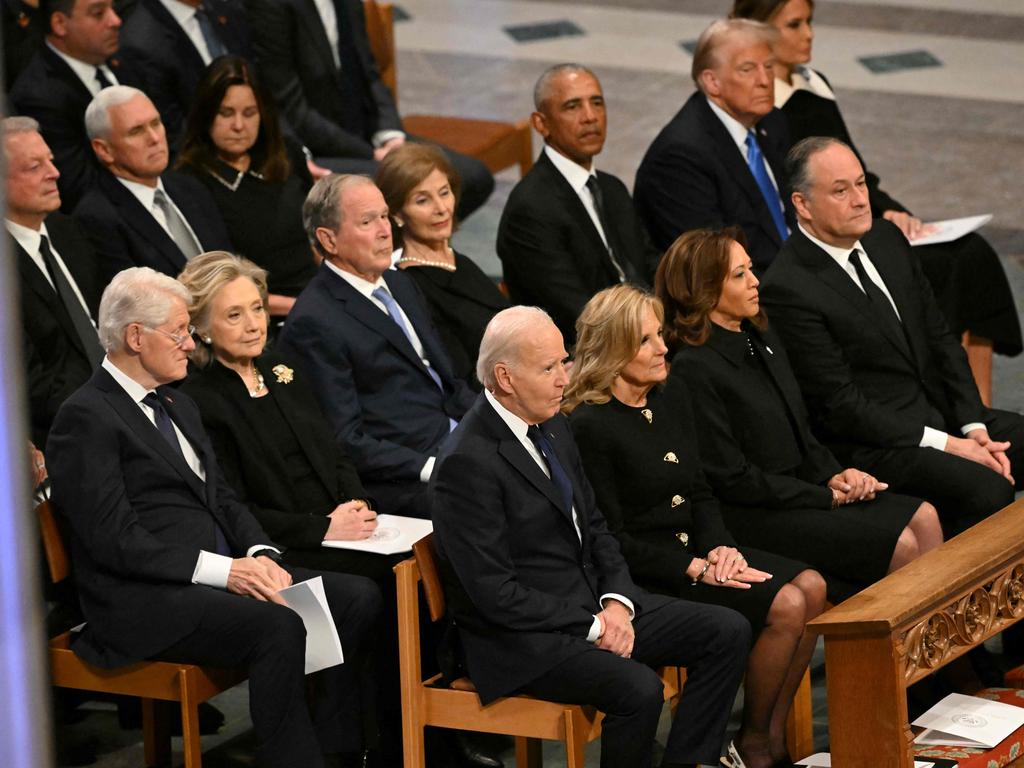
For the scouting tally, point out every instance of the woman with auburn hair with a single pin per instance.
(966, 275)
(780, 488)
(234, 145)
(638, 442)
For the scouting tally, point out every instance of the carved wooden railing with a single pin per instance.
(910, 624)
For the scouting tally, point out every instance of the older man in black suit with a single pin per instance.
(718, 162)
(364, 336)
(168, 563)
(887, 384)
(76, 63)
(139, 213)
(569, 230)
(538, 588)
(58, 276)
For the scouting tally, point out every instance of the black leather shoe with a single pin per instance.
(468, 753)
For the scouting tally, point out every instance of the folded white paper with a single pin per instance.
(951, 229)
(394, 533)
(323, 646)
(967, 721)
(824, 760)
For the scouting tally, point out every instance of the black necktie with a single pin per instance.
(558, 476)
(876, 294)
(625, 269)
(83, 326)
(102, 79)
(166, 428)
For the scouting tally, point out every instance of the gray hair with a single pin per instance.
(137, 295)
(798, 161)
(97, 114)
(11, 126)
(503, 338)
(322, 207)
(711, 40)
(542, 89)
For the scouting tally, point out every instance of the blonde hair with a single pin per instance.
(608, 336)
(204, 276)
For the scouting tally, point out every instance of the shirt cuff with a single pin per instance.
(258, 547)
(595, 631)
(967, 428)
(933, 438)
(428, 468)
(380, 138)
(212, 570)
(622, 599)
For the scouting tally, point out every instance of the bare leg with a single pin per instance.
(926, 527)
(979, 358)
(907, 549)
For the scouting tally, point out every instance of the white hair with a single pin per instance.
(137, 295)
(503, 338)
(97, 114)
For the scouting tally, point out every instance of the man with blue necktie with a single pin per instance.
(719, 161)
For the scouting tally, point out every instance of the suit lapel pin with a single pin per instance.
(646, 413)
(769, 349)
(671, 458)
(167, 399)
(676, 501)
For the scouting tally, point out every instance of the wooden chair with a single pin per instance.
(425, 703)
(498, 145)
(152, 681)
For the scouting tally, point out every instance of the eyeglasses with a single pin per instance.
(179, 341)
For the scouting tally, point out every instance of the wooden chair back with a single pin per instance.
(425, 553)
(380, 28)
(57, 560)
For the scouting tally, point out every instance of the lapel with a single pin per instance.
(193, 433)
(141, 221)
(317, 36)
(181, 43)
(32, 278)
(408, 297)
(913, 334)
(778, 370)
(58, 69)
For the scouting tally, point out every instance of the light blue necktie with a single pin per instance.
(771, 197)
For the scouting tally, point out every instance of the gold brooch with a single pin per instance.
(648, 415)
(683, 536)
(671, 458)
(284, 374)
(676, 501)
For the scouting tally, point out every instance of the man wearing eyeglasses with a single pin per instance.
(169, 564)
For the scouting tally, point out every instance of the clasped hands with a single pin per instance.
(978, 446)
(616, 629)
(726, 568)
(852, 485)
(258, 577)
(351, 521)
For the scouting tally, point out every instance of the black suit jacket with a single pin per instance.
(23, 31)
(295, 59)
(257, 469)
(169, 60)
(50, 92)
(138, 518)
(756, 446)
(694, 176)
(552, 254)
(57, 361)
(129, 236)
(866, 384)
(521, 585)
(373, 387)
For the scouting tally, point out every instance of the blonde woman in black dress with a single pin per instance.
(638, 441)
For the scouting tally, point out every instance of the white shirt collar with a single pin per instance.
(26, 237)
(573, 172)
(841, 255)
(85, 72)
(804, 79)
(516, 424)
(364, 287)
(182, 12)
(135, 390)
(735, 128)
(143, 193)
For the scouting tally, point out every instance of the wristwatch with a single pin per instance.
(273, 554)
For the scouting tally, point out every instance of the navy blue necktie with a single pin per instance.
(166, 428)
(755, 160)
(558, 475)
(213, 42)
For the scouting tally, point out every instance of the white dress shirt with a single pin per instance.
(146, 195)
(211, 569)
(86, 72)
(931, 438)
(739, 132)
(30, 239)
(185, 15)
(578, 176)
(519, 429)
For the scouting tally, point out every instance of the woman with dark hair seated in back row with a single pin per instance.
(234, 145)
(781, 490)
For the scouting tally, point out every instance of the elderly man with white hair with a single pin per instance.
(537, 586)
(169, 565)
(139, 213)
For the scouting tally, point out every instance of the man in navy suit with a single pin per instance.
(168, 563)
(139, 213)
(538, 587)
(364, 337)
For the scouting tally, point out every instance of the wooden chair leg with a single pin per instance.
(575, 744)
(800, 722)
(156, 733)
(528, 752)
(190, 742)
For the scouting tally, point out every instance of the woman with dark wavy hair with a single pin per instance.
(235, 147)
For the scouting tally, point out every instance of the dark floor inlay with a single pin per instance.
(895, 62)
(526, 33)
(688, 45)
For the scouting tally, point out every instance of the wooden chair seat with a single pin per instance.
(497, 145)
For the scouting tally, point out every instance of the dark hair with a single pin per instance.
(406, 166)
(268, 155)
(689, 283)
(759, 10)
(49, 7)
(798, 161)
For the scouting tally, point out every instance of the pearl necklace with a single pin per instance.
(258, 378)
(406, 259)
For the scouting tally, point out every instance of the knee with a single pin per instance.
(927, 518)
(907, 547)
(733, 633)
(282, 629)
(788, 610)
(644, 691)
(985, 498)
(815, 591)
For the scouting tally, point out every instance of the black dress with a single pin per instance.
(461, 304)
(771, 473)
(264, 219)
(643, 465)
(966, 275)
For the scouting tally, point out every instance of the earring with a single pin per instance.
(398, 223)
(207, 339)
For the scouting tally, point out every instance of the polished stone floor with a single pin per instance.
(945, 133)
